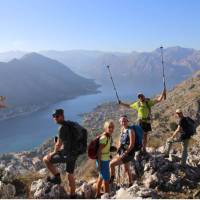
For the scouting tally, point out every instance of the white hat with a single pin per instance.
(179, 111)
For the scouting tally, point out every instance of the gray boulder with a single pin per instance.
(41, 189)
(7, 191)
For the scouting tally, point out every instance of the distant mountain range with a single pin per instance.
(135, 70)
(36, 80)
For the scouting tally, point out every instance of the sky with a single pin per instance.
(107, 25)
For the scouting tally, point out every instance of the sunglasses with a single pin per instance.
(55, 116)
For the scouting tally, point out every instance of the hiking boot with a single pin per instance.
(55, 179)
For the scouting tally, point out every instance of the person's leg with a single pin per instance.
(98, 186)
(106, 186)
(49, 165)
(116, 161)
(71, 180)
(128, 171)
(185, 144)
(70, 166)
(145, 137)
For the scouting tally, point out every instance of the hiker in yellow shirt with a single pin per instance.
(143, 107)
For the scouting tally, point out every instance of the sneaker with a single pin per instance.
(55, 179)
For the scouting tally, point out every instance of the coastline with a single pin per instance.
(26, 110)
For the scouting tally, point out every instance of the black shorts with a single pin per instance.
(127, 158)
(60, 158)
(146, 127)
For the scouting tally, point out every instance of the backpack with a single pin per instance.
(78, 137)
(148, 106)
(191, 126)
(138, 136)
(93, 147)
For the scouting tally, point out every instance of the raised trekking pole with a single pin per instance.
(163, 71)
(113, 84)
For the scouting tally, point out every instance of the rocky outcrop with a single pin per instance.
(43, 190)
(7, 191)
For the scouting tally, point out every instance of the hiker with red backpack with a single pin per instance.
(186, 128)
(143, 106)
(69, 144)
(130, 141)
(99, 149)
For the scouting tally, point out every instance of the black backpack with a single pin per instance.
(191, 126)
(78, 138)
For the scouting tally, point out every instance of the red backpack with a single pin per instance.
(93, 148)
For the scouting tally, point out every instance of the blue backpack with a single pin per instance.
(138, 136)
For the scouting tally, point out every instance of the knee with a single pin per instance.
(45, 159)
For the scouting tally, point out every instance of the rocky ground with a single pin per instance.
(22, 175)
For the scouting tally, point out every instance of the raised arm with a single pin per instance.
(161, 97)
(127, 105)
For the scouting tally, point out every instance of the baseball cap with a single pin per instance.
(58, 112)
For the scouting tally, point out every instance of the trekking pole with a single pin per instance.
(163, 71)
(119, 180)
(113, 84)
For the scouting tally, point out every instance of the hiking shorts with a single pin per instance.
(127, 158)
(60, 158)
(146, 127)
(105, 169)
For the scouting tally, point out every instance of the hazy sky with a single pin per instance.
(111, 25)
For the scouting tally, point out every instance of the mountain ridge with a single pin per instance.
(37, 80)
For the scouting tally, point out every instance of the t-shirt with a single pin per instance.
(142, 108)
(106, 150)
(184, 125)
(65, 137)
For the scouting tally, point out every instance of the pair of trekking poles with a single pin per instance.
(163, 75)
(117, 96)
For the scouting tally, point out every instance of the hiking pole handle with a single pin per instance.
(113, 84)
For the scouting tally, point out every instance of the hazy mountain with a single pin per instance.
(135, 69)
(35, 79)
(9, 55)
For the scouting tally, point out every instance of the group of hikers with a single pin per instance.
(72, 141)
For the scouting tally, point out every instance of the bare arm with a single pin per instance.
(125, 104)
(101, 146)
(58, 145)
(161, 97)
(177, 131)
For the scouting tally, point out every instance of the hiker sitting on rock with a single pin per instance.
(103, 158)
(2, 103)
(66, 149)
(143, 107)
(126, 150)
(186, 128)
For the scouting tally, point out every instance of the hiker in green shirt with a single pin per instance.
(143, 107)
